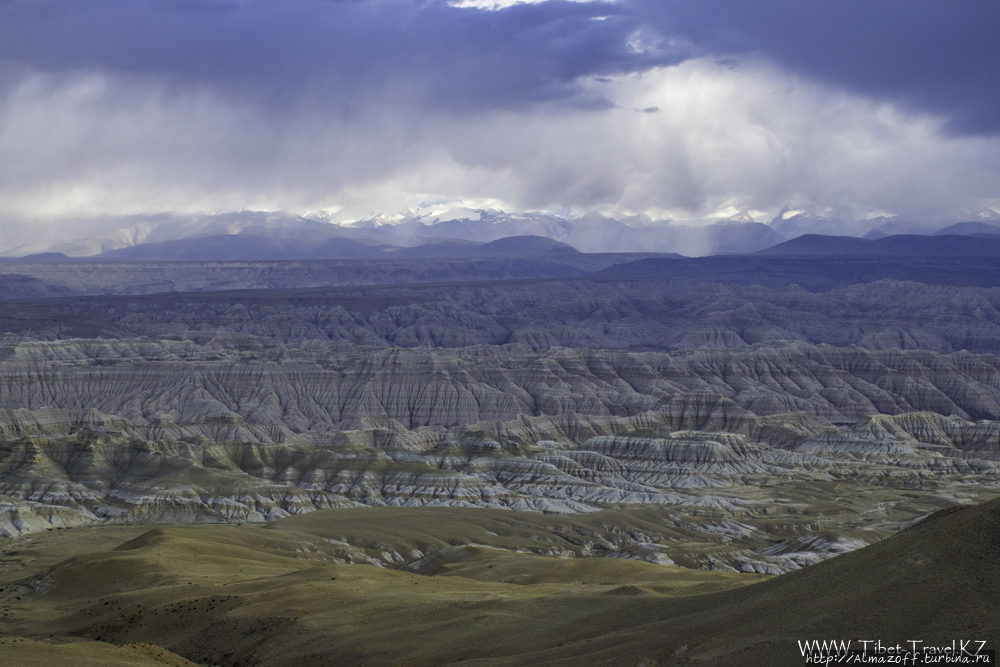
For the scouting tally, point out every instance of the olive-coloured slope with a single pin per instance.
(937, 581)
(283, 595)
(22, 651)
(280, 595)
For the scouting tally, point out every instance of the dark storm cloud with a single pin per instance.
(931, 56)
(285, 51)
(925, 55)
(127, 106)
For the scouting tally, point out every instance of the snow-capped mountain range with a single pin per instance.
(456, 231)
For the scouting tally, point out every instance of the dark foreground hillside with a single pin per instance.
(936, 581)
(286, 594)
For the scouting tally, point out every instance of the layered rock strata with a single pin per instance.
(757, 504)
(259, 389)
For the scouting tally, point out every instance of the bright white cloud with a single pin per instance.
(714, 138)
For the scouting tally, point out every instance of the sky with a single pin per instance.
(684, 110)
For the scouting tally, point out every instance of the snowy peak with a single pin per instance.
(461, 213)
(375, 220)
(742, 216)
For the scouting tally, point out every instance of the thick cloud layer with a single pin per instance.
(681, 109)
(282, 53)
(930, 55)
(939, 57)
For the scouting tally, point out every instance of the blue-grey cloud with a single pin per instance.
(125, 106)
(332, 50)
(928, 55)
(925, 55)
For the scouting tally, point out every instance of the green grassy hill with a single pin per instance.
(286, 594)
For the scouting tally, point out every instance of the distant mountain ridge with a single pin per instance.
(451, 232)
(590, 233)
(456, 232)
(793, 222)
(969, 228)
(251, 247)
(901, 245)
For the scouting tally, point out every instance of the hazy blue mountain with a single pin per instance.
(792, 224)
(967, 228)
(248, 247)
(900, 245)
(296, 237)
(596, 233)
(506, 247)
(820, 244)
(38, 257)
(219, 247)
